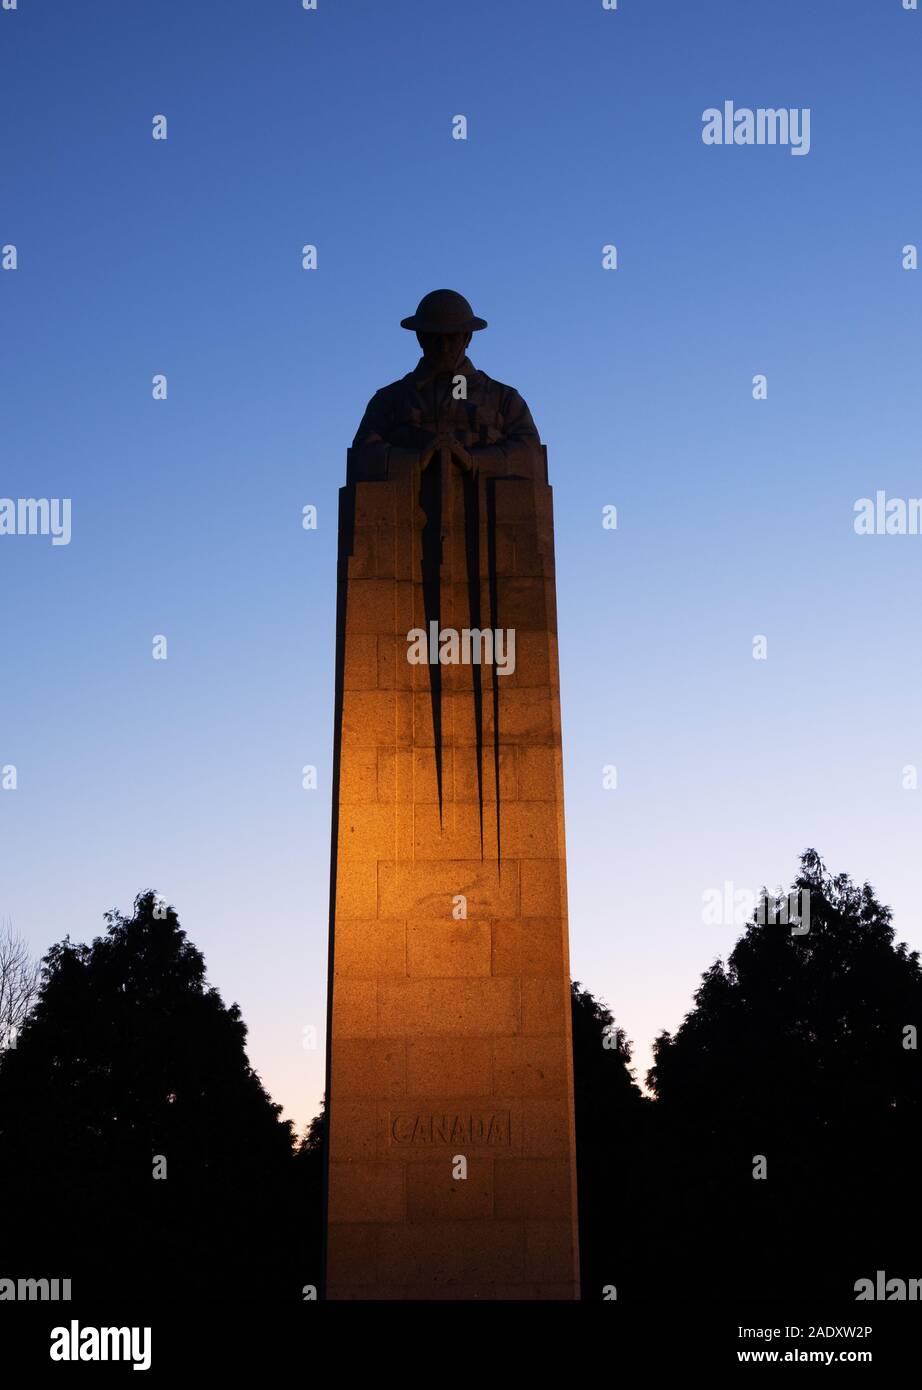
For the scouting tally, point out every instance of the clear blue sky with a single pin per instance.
(182, 257)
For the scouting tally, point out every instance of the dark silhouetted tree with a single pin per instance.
(612, 1134)
(130, 1064)
(310, 1157)
(797, 1049)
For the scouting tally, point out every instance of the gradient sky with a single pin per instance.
(182, 257)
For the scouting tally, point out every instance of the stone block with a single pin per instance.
(459, 1067)
(525, 1188)
(542, 887)
(376, 717)
(549, 1251)
(353, 1130)
(448, 948)
(540, 774)
(358, 778)
(368, 1068)
(527, 716)
(366, 947)
(532, 946)
(515, 502)
(459, 832)
(379, 606)
(428, 889)
(356, 889)
(532, 1067)
(547, 1128)
(434, 1194)
(532, 830)
(355, 1005)
(545, 1006)
(458, 1008)
(446, 1252)
(351, 1257)
(364, 1191)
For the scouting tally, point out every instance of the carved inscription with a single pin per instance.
(471, 1128)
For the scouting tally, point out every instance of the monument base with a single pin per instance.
(451, 1142)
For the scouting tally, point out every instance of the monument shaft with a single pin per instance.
(451, 1159)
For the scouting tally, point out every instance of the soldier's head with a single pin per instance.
(443, 350)
(444, 323)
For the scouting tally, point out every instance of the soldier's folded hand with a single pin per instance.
(461, 454)
(427, 453)
(445, 440)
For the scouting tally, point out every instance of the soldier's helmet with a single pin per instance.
(443, 311)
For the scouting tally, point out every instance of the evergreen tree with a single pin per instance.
(798, 1050)
(143, 1150)
(612, 1135)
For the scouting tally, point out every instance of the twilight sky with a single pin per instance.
(182, 257)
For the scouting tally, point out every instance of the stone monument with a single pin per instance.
(451, 1157)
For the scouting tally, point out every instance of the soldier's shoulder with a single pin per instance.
(500, 388)
(386, 398)
(394, 389)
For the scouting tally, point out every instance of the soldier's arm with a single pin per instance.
(373, 458)
(369, 447)
(519, 450)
